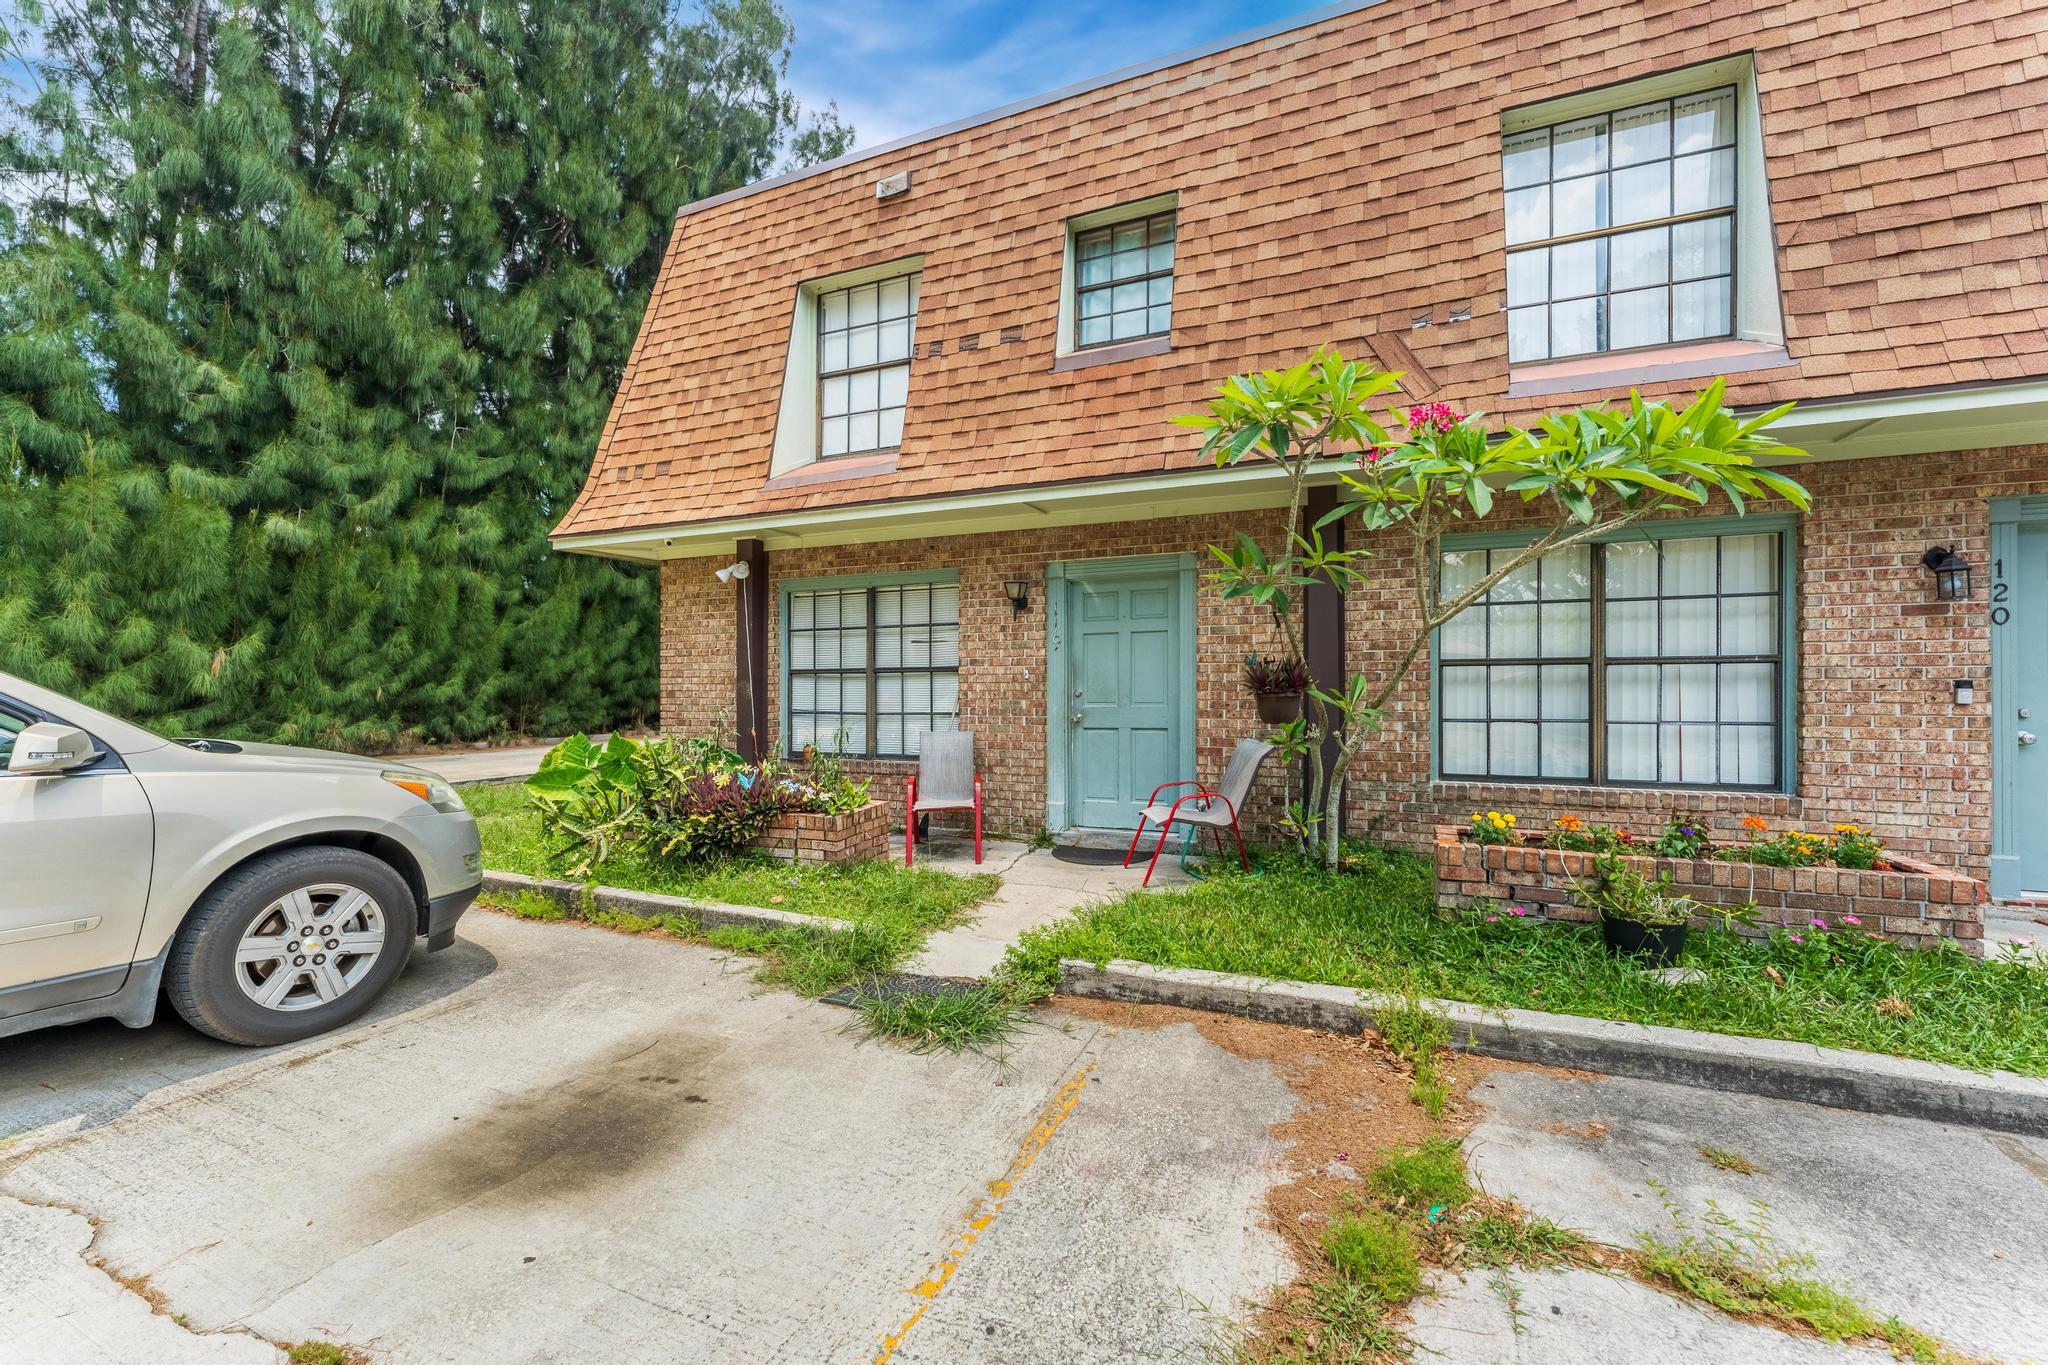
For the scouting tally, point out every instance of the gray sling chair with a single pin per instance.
(945, 780)
(1215, 810)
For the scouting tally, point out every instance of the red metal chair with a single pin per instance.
(945, 772)
(1200, 807)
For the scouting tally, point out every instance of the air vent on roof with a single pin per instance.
(889, 186)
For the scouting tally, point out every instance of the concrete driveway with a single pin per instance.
(551, 1143)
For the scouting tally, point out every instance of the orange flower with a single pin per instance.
(1755, 824)
(1570, 824)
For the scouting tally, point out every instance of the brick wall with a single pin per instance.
(1881, 742)
(1002, 655)
(811, 837)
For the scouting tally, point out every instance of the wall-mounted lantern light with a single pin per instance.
(1019, 593)
(1966, 691)
(1951, 574)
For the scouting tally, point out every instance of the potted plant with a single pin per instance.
(1639, 918)
(1277, 684)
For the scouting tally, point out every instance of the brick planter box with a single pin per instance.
(1914, 903)
(807, 838)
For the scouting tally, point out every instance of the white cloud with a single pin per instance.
(897, 69)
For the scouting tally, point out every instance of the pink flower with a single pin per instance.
(1434, 417)
(1818, 923)
(1795, 938)
(1516, 910)
(1851, 919)
(1372, 456)
(1493, 919)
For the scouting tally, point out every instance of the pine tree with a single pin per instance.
(311, 323)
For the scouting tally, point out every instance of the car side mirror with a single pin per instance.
(47, 747)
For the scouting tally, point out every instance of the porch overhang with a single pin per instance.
(1919, 423)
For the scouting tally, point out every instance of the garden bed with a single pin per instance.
(814, 837)
(1906, 900)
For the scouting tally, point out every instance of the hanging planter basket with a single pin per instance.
(1277, 708)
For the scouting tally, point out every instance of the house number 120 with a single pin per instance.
(2000, 590)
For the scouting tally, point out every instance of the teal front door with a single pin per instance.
(2019, 691)
(1124, 681)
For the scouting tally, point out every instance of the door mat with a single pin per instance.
(887, 984)
(1089, 857)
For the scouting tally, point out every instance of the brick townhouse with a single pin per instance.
(922, 393)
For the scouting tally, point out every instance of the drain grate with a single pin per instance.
(896, 983)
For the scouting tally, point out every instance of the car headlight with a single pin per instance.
(431, 790)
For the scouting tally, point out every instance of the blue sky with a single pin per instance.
(898, 68)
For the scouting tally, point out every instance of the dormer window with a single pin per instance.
(846, 378)
(865, 336)
(1636, 218)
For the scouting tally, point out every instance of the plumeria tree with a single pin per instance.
(1574, 477)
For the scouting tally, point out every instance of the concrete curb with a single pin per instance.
(709, 914)
(1769, 1067)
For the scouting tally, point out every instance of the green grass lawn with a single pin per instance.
(921, 898)
(892, 907)
(1377, 928)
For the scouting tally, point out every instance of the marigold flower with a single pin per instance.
(1755, 824)
(1847, 829)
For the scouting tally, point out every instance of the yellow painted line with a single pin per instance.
(982, 1212)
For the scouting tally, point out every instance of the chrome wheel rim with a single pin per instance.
(310, 947)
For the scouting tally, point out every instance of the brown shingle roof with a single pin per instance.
(1335, 183)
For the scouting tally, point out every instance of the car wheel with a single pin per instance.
(290, 945)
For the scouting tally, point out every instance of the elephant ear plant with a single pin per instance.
(1572, 477)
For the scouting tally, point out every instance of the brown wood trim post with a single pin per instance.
(1322, 618)
(750, 641)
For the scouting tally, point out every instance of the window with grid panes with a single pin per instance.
(1123, 281)
(1645, 662)
(865, 336)
(1621, 228)
(881, 663)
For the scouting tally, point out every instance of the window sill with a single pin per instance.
(1112, 354)
(1692, 360)
(837, 469)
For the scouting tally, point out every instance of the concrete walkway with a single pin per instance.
(1037, 889)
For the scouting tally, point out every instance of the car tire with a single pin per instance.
(222, 973)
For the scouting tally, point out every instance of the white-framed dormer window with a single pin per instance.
(846, 381)
(1116, 287)
(866, 333)
(1637, 218)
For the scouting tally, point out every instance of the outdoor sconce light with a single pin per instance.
(732, 571)
(1966, 691)
(1019, 593)
(1951, 574)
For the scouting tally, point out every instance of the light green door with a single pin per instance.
(1128, 711)
(2019, 689)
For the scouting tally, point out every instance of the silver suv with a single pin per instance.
(272, 893)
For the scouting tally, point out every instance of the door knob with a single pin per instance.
(2027, 737)
(1077, 718)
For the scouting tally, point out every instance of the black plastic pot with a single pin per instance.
(1657, 944)
(1277, 708)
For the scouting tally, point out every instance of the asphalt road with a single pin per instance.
(551, 1143)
